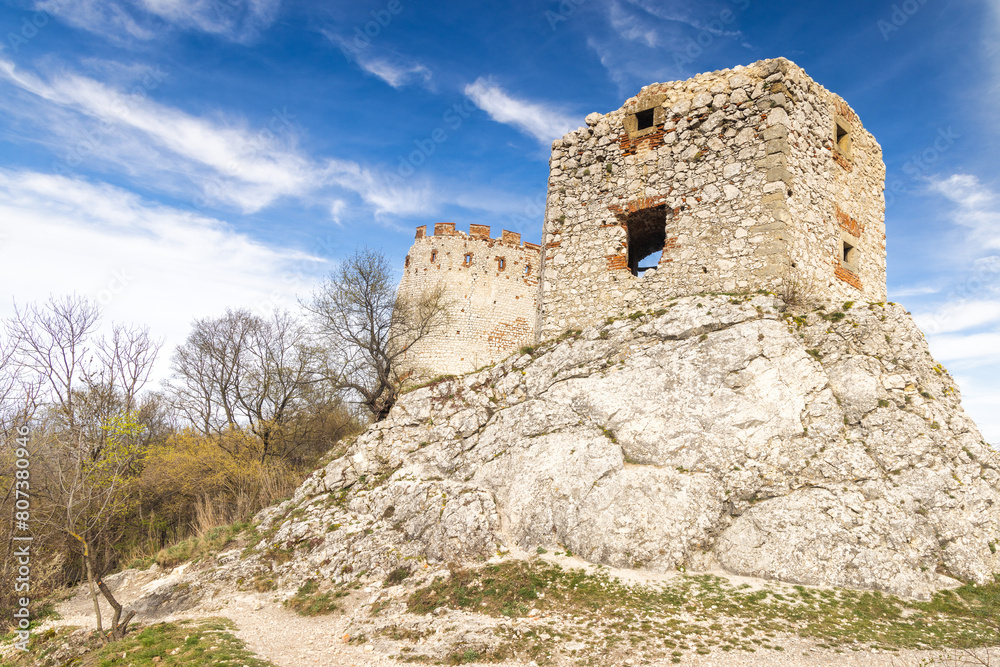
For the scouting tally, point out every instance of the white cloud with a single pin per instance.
(396, 74)
(219, 161)
(143, 19)
(962, 320)
(144, 262)
(631, 27)
(234, 164)
(958, 316)
(912, 290)
(541, 121)
(978, 208)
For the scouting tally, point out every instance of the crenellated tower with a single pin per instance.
(490, 286)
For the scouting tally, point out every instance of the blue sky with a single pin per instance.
(170, 158)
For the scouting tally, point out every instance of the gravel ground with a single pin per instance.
(290, 640)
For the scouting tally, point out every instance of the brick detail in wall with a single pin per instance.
(653, 140)
(848, 224)
(843, 110)
(669, 245)
(848, 277)
(616, 262)
(622, 212)
(842, 161)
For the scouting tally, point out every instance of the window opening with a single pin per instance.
(848, 255)
(647, 234)
(842, 137)
(644, 119)
(434, 255)
(527, 269)
(468, 258)
(501, 263)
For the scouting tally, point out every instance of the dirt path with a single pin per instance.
(290, 640)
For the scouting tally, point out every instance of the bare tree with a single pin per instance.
(84, 395)
(244, 370)
(369, 329)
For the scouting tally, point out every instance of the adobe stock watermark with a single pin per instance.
(94, 139)
(300, 272)
(716, 28)
(532, 216)
(984, 277)
(920, 165)
(281, 122)
(120, 279)
(21, 540)
(363, 35)
(451, 120)
(566, 9)
(899, 14)
(28, 30)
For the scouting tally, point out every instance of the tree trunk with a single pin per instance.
(93, 590)
(118, 629)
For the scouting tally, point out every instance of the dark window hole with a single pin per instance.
(644, 119)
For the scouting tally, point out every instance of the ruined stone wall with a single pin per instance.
(737, 176)
(833, 195)
(490, 288)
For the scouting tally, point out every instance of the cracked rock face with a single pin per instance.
(817, 447)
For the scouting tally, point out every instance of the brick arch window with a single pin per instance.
(647, 236)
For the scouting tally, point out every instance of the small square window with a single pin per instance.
(527, 269)
(848, 256)
(468, 258)
(644, 119)
(842, 141)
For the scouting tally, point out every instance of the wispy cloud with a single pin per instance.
(631, 27)
(959, 316)
(395, 69)
(542, 121)
(912, 290)
(143, 261)
(978, 207)
(222, 160)
(123, 20)
(962, 320)
(396, 74)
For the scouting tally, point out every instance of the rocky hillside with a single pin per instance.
(811, 446)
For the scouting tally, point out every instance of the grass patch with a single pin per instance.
(200, 547)
(308, 601)
(190, 642)
(704, 613)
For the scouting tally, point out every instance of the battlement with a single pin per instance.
(479, 232)
(491, 287)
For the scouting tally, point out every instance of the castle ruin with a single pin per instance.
(751, 178)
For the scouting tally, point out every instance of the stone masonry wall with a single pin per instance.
(490, 287)
(741, 177)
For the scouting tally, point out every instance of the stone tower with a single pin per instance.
(490, 287)
(755, 178)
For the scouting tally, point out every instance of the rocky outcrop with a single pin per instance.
(819, 447)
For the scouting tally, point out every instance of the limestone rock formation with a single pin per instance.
(820, 447)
